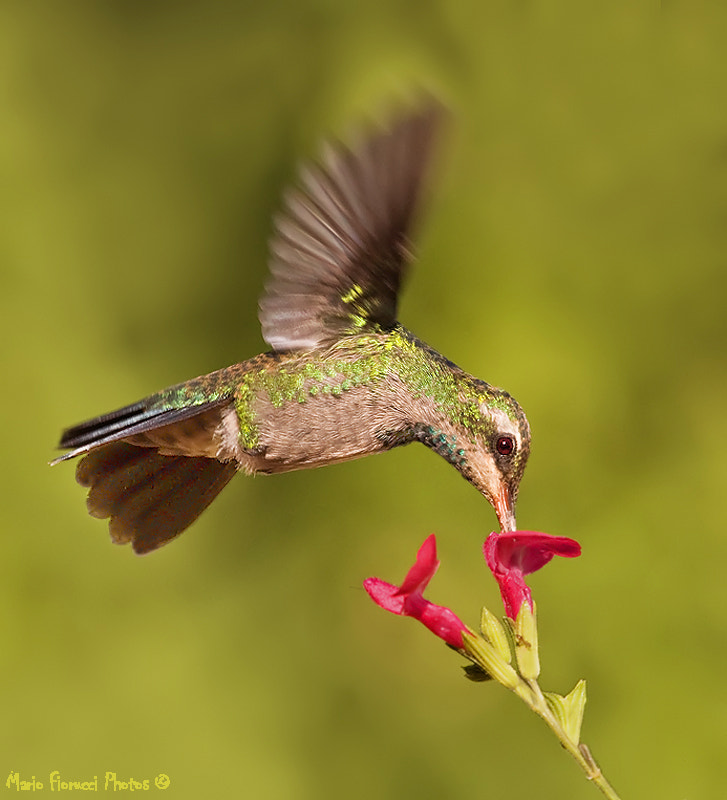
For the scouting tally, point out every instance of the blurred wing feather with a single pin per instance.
(341, 244)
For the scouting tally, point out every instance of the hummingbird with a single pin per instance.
(343, 379)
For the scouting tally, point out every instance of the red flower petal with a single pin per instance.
(425, 566)
(408, 599)
(385, 595)
(514, 554)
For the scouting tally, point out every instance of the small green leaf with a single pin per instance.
(569, 709)
(493, 630)
(556, 703)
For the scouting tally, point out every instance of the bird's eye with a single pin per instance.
(505, 445)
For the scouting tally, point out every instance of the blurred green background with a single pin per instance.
(573, 251)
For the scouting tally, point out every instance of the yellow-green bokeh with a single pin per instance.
(573, 251)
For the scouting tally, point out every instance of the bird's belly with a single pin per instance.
(323, 430)
(300, 435)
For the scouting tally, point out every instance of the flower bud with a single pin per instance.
(525, 632)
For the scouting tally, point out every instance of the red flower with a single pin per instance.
(409, 601)
(514, 554)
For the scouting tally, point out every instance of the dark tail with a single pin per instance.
(151, 469)
(150, 498)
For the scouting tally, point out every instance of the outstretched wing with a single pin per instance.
(341, 246)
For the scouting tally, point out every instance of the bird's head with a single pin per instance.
(497, 451)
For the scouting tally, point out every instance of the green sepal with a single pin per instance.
(488, 658)
(493, 630)
(525, 631)
(569, 709)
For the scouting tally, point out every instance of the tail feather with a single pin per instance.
(151, 468)
(150, 498)
(127, 422)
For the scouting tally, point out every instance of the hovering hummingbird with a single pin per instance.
(344, 379)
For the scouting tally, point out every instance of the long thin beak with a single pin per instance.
(505, 511)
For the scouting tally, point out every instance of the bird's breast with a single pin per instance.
(303, 415)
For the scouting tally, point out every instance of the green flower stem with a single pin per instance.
(530, 693)
(494, 663)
